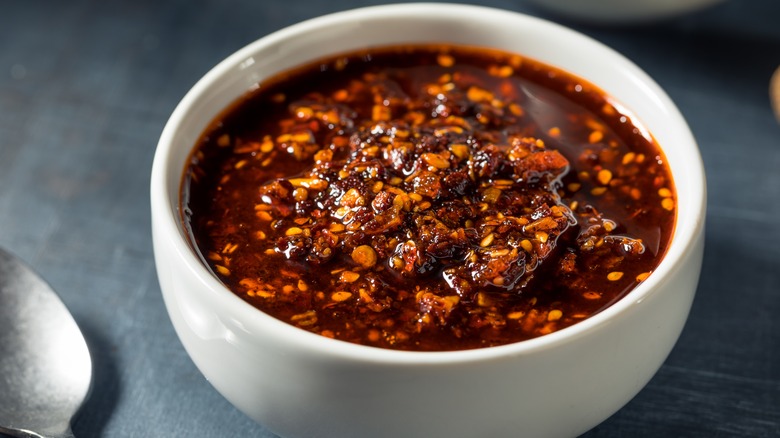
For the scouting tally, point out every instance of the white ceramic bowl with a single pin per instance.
(300, 384)
(623, 11)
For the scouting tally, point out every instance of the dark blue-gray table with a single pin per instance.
(87, 85)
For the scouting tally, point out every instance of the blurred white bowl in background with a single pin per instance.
(623, 11)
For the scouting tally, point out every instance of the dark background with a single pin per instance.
(86, 87)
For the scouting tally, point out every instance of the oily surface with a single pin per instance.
(429, 198)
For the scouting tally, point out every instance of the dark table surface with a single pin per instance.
(87, 85)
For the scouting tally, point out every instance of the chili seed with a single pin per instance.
(340, 296)
(380, 113)
(487, 240)
(374, 335)
(348, 277)
(516, 109)
(515, 315)
(505, 71)
(595, 137)
(435, 160)
(476, 94)
(445, 60)
(300, 194)
(604, 176)
(223, 140)
(364, 256)
(293, 231)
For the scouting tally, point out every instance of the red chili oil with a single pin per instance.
(428, 198)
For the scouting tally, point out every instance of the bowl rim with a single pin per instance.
(165, 210)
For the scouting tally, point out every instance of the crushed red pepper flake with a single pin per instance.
(411, 200)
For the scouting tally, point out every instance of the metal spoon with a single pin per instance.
(45, 366)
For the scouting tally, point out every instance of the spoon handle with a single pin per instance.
(64, 432)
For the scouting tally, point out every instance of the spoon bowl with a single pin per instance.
(45, 366)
